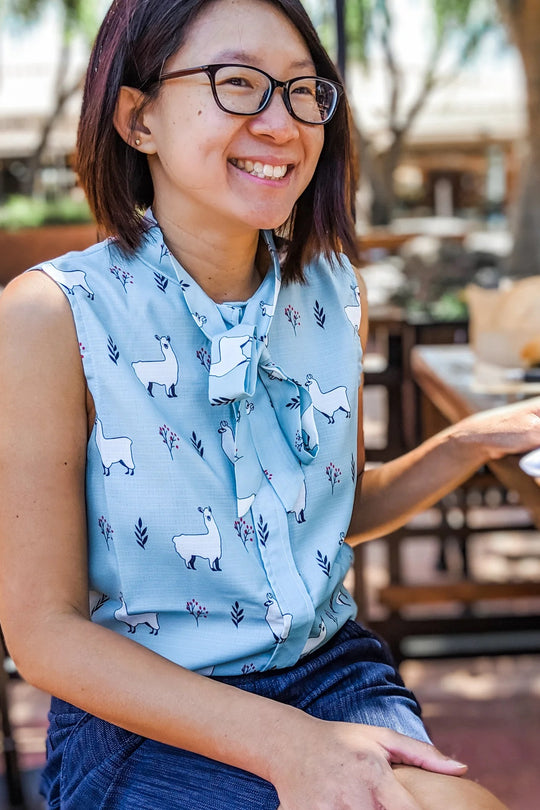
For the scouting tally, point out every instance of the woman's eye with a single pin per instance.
(304, 90)
(237, 81)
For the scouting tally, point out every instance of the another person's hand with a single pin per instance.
(347, 766)
(510, 429)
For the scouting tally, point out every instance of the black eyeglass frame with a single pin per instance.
(211, 71)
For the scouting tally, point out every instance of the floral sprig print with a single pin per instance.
(319, 313)
(106, 530)
(197, 610)
(170, 439)
(247, 668)
(244, 531)
(293, 316)
(333, 474)
(82, 349)
(298, 441)
(323, 562)
(114, 354)
(237, 614)
(141, 533)
(262, 531)
(123, 276)
(268, 475)
(164, 251)
(203, 356)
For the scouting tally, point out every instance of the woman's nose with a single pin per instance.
(275, 120)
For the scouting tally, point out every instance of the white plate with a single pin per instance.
(530, 463)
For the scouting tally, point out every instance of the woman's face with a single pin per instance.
(202, 154)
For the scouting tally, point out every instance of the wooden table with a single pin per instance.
(446, 375)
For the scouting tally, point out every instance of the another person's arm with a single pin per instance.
(388, 495)
(44, 598)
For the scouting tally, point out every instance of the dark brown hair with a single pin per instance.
(135, 40)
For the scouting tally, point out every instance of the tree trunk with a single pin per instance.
(522, 18)
(62, 94)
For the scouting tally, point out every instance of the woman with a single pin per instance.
(196, 470)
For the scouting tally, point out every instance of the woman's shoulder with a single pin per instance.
(36, 324)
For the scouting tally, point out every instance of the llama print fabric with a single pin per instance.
(222, 464)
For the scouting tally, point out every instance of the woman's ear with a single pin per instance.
(129, 120)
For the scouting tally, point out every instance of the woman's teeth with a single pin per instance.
(264, 171)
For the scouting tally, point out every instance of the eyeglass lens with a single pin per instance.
(245, 90)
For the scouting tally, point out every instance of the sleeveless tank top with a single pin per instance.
(221, 468)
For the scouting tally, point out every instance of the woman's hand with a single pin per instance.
(347, 766)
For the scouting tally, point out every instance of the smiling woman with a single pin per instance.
(172, 546)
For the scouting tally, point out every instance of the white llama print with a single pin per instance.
(354, 311)
(159, 372)
(312, 643)
(300, 505)
(278, 622)
(328, 402)
(68, 279)
(228, 444)
(231, 354)
(133, 620)
(114, 450)
(206, 545)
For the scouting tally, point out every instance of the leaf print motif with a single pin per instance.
(247, 668)
(161, 281)
(237, 614)
(222, 401)
(183, 284)
(293, 316)
(100, 602)
(114, 354)
(262, 531)
(323, 562)
(293, 403)
(197, 610)
(141, 533)
(164, 251)
(353, 468)
(197, 444)
(319, 313)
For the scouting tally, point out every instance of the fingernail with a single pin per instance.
(459, 764)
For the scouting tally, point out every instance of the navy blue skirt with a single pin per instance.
(93, 765)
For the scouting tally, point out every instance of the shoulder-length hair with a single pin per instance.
(135, 40)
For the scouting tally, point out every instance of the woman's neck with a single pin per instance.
(225, 266)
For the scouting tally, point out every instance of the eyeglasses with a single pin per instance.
(245, 90)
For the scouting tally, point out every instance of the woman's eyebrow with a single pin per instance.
(247, 58)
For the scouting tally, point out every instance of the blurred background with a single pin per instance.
(445, 96)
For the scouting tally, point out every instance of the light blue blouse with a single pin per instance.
(222, 466)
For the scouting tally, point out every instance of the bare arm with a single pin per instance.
(44, 596)
(387, 496)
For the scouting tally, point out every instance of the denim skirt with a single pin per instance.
(94, 765)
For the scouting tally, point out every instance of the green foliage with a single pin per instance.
(21, 211)
(79, 16)
(462, 23)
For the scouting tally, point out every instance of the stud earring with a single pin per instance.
(137, 141)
